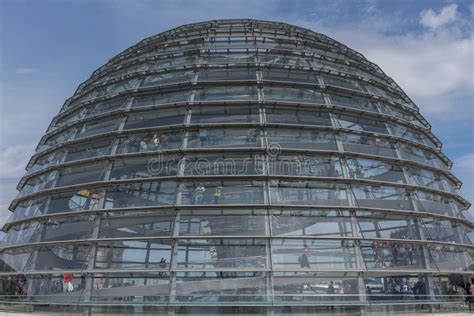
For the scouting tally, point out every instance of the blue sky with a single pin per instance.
(49, 47)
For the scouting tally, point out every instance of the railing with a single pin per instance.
(258, 297)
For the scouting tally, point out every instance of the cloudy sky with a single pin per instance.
(49, 47)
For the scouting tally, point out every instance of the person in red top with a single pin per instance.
(67, 279)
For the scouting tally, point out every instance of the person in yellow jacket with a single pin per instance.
(217, 194)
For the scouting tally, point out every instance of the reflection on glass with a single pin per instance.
(134, 254)
(221, 253)
(136, 224)
(222, 223)
(159, 140)
(225, 114)
(293, 94)
(218, 74)
(318, 166)
(298, 116)
(382, 197)
(360, 168)
(307, 192)
(155, 118)
(239, 93)
(362, 124)
(96, 148)
(221, 192)
(285, 75)
(144, 167)
(391, 255)
(368, 145)
(163, 98)
(296, 254)
(140, 194)
(213, 137)
(300, 138)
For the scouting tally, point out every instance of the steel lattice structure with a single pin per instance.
(236, 163)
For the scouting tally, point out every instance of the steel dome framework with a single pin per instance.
(236, 163)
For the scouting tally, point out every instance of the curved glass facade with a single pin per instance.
(237, 165)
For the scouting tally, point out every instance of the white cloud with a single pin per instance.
(434, 67)
(433, 20)
(14, 159)
(465, 163)
(25, 71)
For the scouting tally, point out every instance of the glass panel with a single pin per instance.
(150, 142)
(51, 159)
(68, 228)
(140, 194)
(146, 287)
(14, 261)
(391, 255)
(306, 287)
(97, 148)
(283, 60)
(419, 155)
(81, 174)
(81, 200)
(386, 226)
(321, 223)
(221, 253)
(319, 166)
(297, 116)
(293, 94)
(106, 106)
(218, 74)
(174, 62)
(30, 208)
(307, 193)
(52, 257)
(222, 223)
(341, 82)
(24, 233)
(155, 118)
(426, 178)
(38, 183)
(450, 257)
(45, 285)
(360, 168)
(404, 132)
(161, 98)
(434, 203)
(289, 75)
(219, 138)
(222, 192)
(293, 254)
(368, 145)
(300, 138)
(168, 78)
(362, 124)
(228, 59)
(143, 167)
(225, 114)
(441, 230)
(399, 288)
(99, 127)
(221, 287)
(60, 138)
(353, 102)
(223, 164)
(382, 197)
(134, 254)
(239, 93)
(136, 224)
(115, 88)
